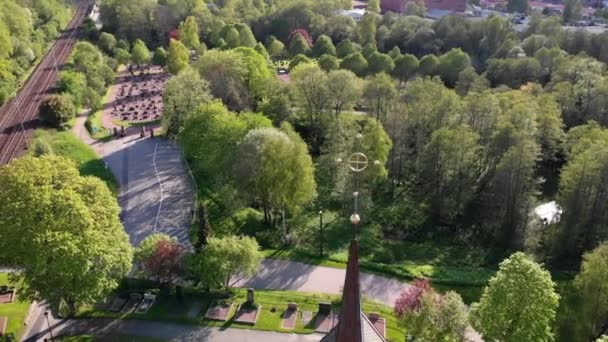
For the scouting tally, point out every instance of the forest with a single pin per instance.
(472, 125)
(27, 28)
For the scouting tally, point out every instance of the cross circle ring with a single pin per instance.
(357, 162)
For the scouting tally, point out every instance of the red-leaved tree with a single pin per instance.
(410, 299)
(304, 34)
(164, 265)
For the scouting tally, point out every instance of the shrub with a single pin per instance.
(57, 110)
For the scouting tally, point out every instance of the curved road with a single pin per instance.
(295, 276)
(156, 193)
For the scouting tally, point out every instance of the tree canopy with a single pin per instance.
(518, 304)
(62, 231)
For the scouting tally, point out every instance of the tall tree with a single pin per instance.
(275, 170)
(246, 37)
(223, 258)
(583, 193)
(160, 56)
(298, 45)
(405, 67)
(380, 93)
(518, 304)
(355, 62)
(380, 63)
(177, 57)
(346, 89)
(573, 11)
(323, 46)
(592, 283)
(232, 38)
(140, 53)
(428, 65)
(451, 64)
(345, 48)
(373, 6)
(310, 83)
(275, 47)
(367, 29)
(62, 231)
(183, 94)
(188, 33)
(449, 171)
(328, 63)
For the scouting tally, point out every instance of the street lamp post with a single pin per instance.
(46, 315)
(321, 232)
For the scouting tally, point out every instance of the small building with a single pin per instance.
(361, 5)
(548, 213)
(357, 13)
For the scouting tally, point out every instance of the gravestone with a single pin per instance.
(250, 296)
(324, 308)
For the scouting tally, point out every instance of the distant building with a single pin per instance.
(400, 6)
(359, 4)
(549, 212)
(356, 14)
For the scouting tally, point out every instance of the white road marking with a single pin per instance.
(160, 185)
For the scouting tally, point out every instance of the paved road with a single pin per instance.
(289, 275)
(155, 189)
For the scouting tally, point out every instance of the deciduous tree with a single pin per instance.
(140, 53)
(62, 231)
(380, 92)
(183, 94)
(188, 33)
(57, 110)
(177, 57)
(223, 258)
(592, 282)
(518, 304)
(275, 170)
(323, 46)
(405, 67)
(355, 62)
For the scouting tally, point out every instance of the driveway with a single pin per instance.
(295, 276)
(156, 193)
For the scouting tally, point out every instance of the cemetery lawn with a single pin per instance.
(195, 304)
(66, 144)
(15, 311)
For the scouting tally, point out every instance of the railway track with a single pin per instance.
(20, 114)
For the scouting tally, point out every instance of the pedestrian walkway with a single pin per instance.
(295, 276)
(160, 330)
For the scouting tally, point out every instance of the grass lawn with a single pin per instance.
(66, 144)
(126, 124)
(167, 308)
(99, 132)
(15, 311)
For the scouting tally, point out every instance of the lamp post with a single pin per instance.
(46, 315)
(321, 232)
